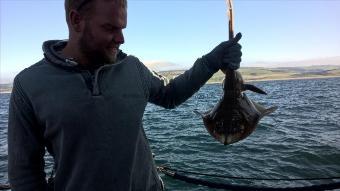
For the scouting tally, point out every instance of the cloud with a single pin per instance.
(161, 65)
(331, 61)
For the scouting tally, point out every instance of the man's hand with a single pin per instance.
(226, 55)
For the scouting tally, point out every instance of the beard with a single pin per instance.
(96, 56)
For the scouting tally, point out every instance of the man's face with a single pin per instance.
(103, 32)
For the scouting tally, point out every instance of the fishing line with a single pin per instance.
(5, 187)
(246, 178)
(174, 174)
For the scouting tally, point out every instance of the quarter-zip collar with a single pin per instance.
(52, 49)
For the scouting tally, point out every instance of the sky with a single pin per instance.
(180, 31)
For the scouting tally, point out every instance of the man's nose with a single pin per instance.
(119, 38)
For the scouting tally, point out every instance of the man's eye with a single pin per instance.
(108, 28)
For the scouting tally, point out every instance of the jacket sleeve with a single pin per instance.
(25, 144)
(170, 94)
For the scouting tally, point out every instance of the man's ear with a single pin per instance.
(76, 20)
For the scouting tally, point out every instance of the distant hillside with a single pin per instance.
(255, 74)
(161, 65)
(259, 73)
(329, 61)
(5, 88)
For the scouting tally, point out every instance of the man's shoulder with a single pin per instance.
(35, 75)
(131, 62)
(31, 71)
(131, 59)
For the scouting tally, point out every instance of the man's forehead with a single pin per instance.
(118, 22)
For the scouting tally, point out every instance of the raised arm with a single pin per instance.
(170, 94)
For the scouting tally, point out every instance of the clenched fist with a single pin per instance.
(226, 55)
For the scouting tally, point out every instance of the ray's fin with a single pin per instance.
(253, 88)
(263, 110)
(198, 113)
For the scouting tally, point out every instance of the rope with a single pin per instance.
(233, 187)
(173, 173)
(5, 187)
(248, 178)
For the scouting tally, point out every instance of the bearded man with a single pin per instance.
(84, 102)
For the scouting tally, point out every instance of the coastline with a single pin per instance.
(8, 91)
(257, 74)
(297, 78)
(283, 79)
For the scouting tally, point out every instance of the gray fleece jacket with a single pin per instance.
(90, 122)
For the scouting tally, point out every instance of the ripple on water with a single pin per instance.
(299, 140)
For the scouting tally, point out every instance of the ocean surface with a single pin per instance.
(300, 140)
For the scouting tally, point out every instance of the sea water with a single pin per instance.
(299, 140)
